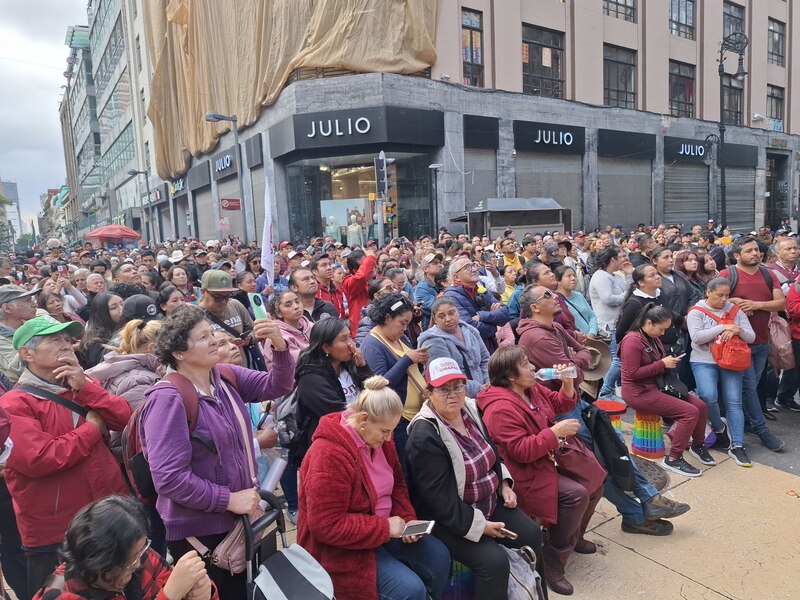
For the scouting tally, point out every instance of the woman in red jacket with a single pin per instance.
(107, 555)
(520, 415)
(354, 506)
(643, 361)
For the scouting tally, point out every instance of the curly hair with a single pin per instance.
(274, 303)
(173, 336)
(101, 537)
(390, 305)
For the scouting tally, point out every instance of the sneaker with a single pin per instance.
(791, 405)
(771, 442)
(660, 527)
(701, 453)
(738, 454)
(723, 439)
(772, 405)
(292, 516)
(661, 507)
(681, 467)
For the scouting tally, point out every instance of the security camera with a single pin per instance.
(758, 117)
(514, 152)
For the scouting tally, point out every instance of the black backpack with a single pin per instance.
(609, 448)
(733, 277)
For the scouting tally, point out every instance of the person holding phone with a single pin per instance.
(457, 478)
(643, 361)
(287, 310)
(354, 506)
(520, 413)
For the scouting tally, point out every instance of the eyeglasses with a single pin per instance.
(220, 297)
(470, 267)
(548, 295)
(451, 391)
(135, 564)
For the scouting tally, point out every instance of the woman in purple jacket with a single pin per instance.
(203, 484)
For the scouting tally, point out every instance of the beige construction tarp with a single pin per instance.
(234, 57)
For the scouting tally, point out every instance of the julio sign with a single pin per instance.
(547, 137)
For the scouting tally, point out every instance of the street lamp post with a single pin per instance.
(213, 117)
(147, 228)
(735, 42)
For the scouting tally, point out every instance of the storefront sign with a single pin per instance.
(224, 224)
(178, 187)
(740, 155)
(360, 126)
(626, 144)
(546, 137)
(199, 176)
(231, 204)
(481, 132)
(224, 164)
(685, 150)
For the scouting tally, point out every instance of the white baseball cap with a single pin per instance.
(441, 370)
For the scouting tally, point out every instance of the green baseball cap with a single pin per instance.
(217, 281)
(43, 325)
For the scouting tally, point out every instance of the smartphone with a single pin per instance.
(508, 533)
(257, 304)
(422, 528)
(63, 270)
(681, 355)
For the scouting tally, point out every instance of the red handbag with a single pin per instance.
(575, 460)
(733, 354)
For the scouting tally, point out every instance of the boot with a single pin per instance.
(556, 580)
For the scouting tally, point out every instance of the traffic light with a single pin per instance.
(389, 211)
(385, 174)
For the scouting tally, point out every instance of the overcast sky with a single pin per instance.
(32, 63)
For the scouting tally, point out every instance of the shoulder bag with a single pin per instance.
(230, 552)
(668, 382)
(576, 461)
(733, 354)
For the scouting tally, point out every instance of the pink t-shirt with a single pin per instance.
(378, 469)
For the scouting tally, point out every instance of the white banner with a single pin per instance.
(267, 252)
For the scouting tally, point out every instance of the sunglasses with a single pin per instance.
(220, 297)
(547, 295)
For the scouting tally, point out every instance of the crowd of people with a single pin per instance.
(444, 379)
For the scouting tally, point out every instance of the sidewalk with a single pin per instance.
(741, 540)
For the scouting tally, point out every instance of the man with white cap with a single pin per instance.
(17, 305)
(425, 291)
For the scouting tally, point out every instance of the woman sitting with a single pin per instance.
(643, 360)
(457, 478)
(107, 555)
(54, 305)
(387, 354)
(710, 377)
(375, 289)
(354, 506)
(451, 337)
(203, 487)
(520, 415)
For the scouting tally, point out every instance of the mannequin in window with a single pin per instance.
(354, 235)
(331, 229)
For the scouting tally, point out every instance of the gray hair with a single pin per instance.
(526, 298)
(776, 245)
(457, 265)
(92, 276)
(83, 273)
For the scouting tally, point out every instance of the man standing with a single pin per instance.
(125, 272)
(322, 268)
(64, 462)
(785, 267)
(17, 305)
(217, 288)
(510, 257)
(303, 283)
(361, 265)
(425, 291)
(706, 242)
(548, 344)
(474, 308)
(757, 292)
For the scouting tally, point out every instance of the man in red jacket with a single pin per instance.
(64, 462)
(361, 265)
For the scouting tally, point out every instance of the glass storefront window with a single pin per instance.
(324, 193)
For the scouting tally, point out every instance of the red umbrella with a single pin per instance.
(113, 232)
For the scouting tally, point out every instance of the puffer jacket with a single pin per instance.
(471, 354)
(479, 305)
(129, 376)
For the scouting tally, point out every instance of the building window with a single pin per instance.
(732, 19)
(681, 89)
(472, 47)
(731, 100)
(138, 54)
(619, 77)
(775, 102)
(143, 102)
(776, 43)
(620, 9)
(542, 62)
(147, 158)
(681, 18)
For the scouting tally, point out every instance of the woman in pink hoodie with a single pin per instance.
(286, 309)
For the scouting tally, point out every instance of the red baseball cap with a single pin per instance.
(442, 370)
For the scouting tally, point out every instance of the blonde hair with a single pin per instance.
(377, 400)
(136, 334)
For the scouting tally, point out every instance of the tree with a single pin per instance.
(25, 241)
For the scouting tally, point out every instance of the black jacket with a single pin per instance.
(321, 307)
(432, 480)
(631, 309)
(319, 393)
(678, 295)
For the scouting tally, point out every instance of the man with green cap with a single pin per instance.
(17, 305)
(217, 287)
(63, 418)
